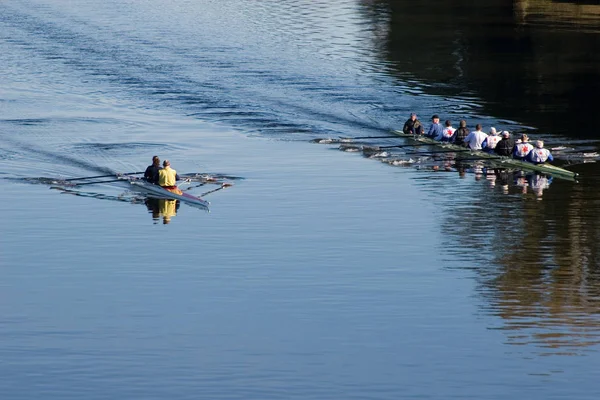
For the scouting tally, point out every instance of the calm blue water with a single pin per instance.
(319, 275)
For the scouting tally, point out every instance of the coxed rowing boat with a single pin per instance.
(159, 192)
(504, 162)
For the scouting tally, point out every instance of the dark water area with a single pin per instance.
(535, 62)
(319, 274)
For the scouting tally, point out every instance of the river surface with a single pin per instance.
(319, 274)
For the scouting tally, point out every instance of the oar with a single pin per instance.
(499, 158)
(195, 186)
(223, 186)
(438, 152)
(98, 182)
(399, 146)
(101, 176)
(342, 139)
(369, 137)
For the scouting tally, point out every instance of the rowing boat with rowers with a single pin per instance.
(505, 162)
(161, 193)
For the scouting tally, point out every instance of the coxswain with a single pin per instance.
(475, 138)
(522, 148)
(448, 132)
(461, 133)
(413, 126)
(539, 155)
(167, 178)
(505, 145)
(490, 142)
(436, 129)
(151, 173)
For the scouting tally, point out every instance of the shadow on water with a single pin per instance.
(538, 262)
(532, 61)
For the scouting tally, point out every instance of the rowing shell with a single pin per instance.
(159, 192)
(506, 162)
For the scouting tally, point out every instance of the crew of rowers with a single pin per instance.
(494, 142)
(166, 177)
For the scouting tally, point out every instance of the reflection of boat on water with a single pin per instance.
(503, 162)
(504, 178)
(161, 193)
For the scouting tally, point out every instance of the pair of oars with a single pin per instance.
(347, 139)
(100, 176)
(343, 140)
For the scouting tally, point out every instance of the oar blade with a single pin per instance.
(102, 176)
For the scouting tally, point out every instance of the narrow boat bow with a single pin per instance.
(158, 192)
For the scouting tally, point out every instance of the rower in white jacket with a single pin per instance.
(490, 142)
(539, 155)
(522, 148)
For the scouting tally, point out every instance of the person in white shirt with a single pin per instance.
(475, 138)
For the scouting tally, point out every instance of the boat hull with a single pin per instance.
(159, 192)
(504, 162)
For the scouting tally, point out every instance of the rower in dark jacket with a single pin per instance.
(505, 145)
(151, 174)
(413, 126)
(461, 133)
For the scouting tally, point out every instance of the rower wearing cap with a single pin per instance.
(475, 138)
(413, 126)
(490, 142)
(523, 148)
(539, 155)
(448, 132)
(505, 145)
(167, 178)
(436, 129)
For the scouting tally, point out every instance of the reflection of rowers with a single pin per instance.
(162, 208)
(538, 183)
(167, 178)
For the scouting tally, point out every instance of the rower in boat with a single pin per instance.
(539, 155)
(413, 126)
(167, 178)
(475, 138)
(436, 129)
(448, 132)
(151, 173)
(522, 148)
(461, 133)
(505, 146)
(490, 142)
